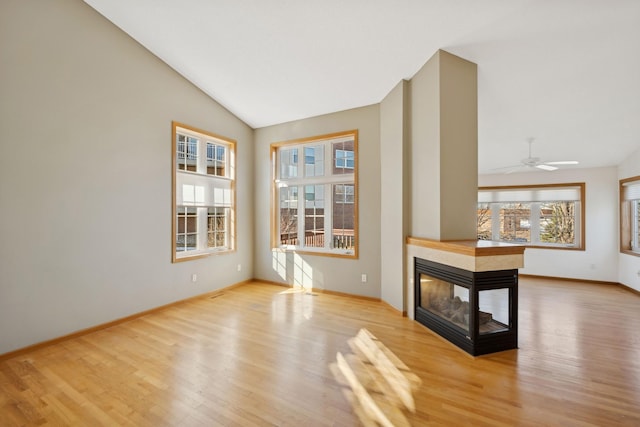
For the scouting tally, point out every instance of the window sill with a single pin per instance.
(629, 252)
(351, 254)
(181, 256)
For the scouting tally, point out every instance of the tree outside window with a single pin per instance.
(550, 216)
(316, 204)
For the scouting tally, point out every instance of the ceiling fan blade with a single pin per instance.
(506, 167)
(546, 167)
(563, 162)
(512, 170)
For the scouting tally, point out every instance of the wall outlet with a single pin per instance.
(194, 278)
(364, 278)
(239, 267)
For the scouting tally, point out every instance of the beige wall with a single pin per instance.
(330, 273)
(444, 142)
(395, 207)
(85, 175)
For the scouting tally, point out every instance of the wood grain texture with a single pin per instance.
(475, 248)
(260, 355)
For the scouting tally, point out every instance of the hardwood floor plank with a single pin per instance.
(260, 355)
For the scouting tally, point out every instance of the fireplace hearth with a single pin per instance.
(477, 311)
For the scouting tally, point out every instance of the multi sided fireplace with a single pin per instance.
(477, 311)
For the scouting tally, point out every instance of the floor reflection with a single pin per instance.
(376, 383)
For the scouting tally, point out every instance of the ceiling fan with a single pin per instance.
(535, 162)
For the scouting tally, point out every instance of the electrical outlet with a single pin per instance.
(239, 267)
(194, 278)
(364, 278)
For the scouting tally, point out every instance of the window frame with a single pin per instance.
(331, 178)
(629, 218)
(204, 197)
(534, 224)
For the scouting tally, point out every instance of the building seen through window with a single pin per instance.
(546, 216)
(315, 194)
(203, 193)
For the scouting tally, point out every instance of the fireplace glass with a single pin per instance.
(445, 300)
(494, 311)
(475, 310)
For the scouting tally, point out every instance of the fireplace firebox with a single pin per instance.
(477, 311)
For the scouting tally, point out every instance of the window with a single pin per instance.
(630, 216)
(315, 203)
(203, 193)
(344, 159)
(549, 216)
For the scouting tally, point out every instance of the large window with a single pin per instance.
(630, 216)
(203, 193)
(550, 216)
(315, 194)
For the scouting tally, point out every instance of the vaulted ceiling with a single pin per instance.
(565, 72)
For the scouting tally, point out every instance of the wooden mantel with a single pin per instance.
(471, 255)
(475, 248)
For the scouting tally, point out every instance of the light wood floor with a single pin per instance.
(259, 355)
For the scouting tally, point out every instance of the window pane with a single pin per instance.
(186, 153)
(186, 226)
(343, 193)
(216, 227)
(494, 314)
(314, 161)
(289, 216)
(343, 235)
(515, 223)
(344, 157)
(314, 216)
(216, 159)
(557, 222)
(484, 223)
(288, 163)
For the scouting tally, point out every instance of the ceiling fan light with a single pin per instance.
(546, 167)
(564, 162)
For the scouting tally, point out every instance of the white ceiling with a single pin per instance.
(566, 72)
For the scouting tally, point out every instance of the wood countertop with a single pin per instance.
(476, 248)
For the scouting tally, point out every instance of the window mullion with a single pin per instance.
(534, 222)
(201, 165)
(495, 221)
(301, 215)
(201, 226)
(328, 216)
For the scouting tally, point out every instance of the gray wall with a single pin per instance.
(85, 175)
(330, 273)
(395, 207)
(444, 149)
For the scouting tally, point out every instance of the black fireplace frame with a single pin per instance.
(472, 341)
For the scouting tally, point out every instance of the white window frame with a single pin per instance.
(342, 159)
(326, 178)
(535, 196)
(201, 190)
(629, 216)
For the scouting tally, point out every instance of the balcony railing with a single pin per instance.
(316, 239)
